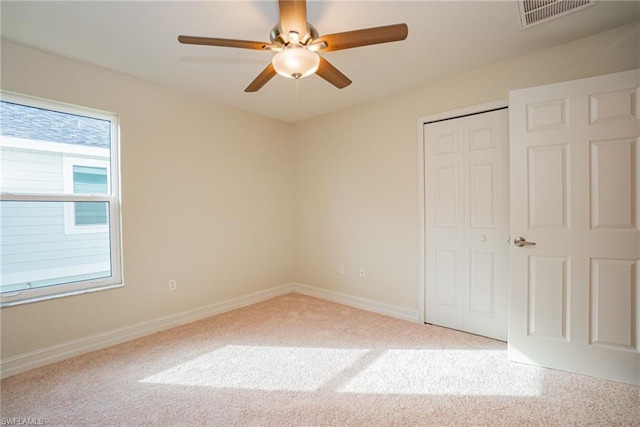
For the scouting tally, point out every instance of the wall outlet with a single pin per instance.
(363, 274)
(341, 268)
(173, 285)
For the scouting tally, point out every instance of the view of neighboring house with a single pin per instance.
(49, 241)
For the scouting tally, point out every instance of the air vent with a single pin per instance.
(534, 12)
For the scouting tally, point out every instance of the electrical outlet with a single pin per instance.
(341, 268)
(363, 274)
(173, 285)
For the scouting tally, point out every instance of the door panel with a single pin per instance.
(548, 296)
(482, 194)
(446, 197)
(612, 290)
(466, 183)
(445, 216)
(612, 173)
(548, 195)
(482, 282)
(547, 115)
(574, 192)
(446, 261)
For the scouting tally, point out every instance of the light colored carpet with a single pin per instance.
(297, 360)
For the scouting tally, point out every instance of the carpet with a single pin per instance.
(298, 360)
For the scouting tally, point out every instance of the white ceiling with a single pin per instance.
(140, 39)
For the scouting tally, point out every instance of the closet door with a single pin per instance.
(467, 223)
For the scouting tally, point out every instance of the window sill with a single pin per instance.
(13, 303)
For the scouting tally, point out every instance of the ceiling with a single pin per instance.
(445, 37)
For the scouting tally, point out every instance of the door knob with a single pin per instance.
(521, 241)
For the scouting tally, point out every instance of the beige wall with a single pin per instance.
(356, 173)
(207, 199)
(210, 201)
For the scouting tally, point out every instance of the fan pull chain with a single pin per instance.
(297, 90)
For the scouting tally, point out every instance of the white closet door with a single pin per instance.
(574, 295)
(467, 223)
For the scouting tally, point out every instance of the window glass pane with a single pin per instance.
(36, 251)
(91, 213)
(89, 180)
(36, 145)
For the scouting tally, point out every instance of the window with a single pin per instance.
(59, 205)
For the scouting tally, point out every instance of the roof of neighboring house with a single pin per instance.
(22, 121)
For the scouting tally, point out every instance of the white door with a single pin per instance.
(574, 295)
(467, 223)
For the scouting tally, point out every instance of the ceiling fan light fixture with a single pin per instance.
(297, 42)
(296, 62)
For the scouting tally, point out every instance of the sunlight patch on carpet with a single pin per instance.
(261, 368)
(446, 372)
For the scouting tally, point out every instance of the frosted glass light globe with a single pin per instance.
(295, 62)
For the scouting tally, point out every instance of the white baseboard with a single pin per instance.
(35, 359)
(357, 302)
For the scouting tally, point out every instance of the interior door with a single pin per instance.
(574, 295)
(467, 223)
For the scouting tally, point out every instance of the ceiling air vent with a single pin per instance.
(534, 12)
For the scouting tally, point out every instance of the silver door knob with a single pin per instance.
(521, 241)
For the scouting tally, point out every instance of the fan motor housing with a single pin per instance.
(280, 38)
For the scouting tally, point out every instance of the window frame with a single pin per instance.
(112, 198)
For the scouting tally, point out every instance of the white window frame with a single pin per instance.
(112, 198)
(70, 226)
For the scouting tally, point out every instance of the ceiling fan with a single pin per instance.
(297, 43)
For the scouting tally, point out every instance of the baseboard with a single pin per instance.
(357, 302)
(35, 359)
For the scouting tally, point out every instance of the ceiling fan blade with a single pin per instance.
(365, 37)
(332, 74)
(293, 16)
(262, 79)
(209, 41)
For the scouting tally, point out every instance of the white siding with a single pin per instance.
(29, 172)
